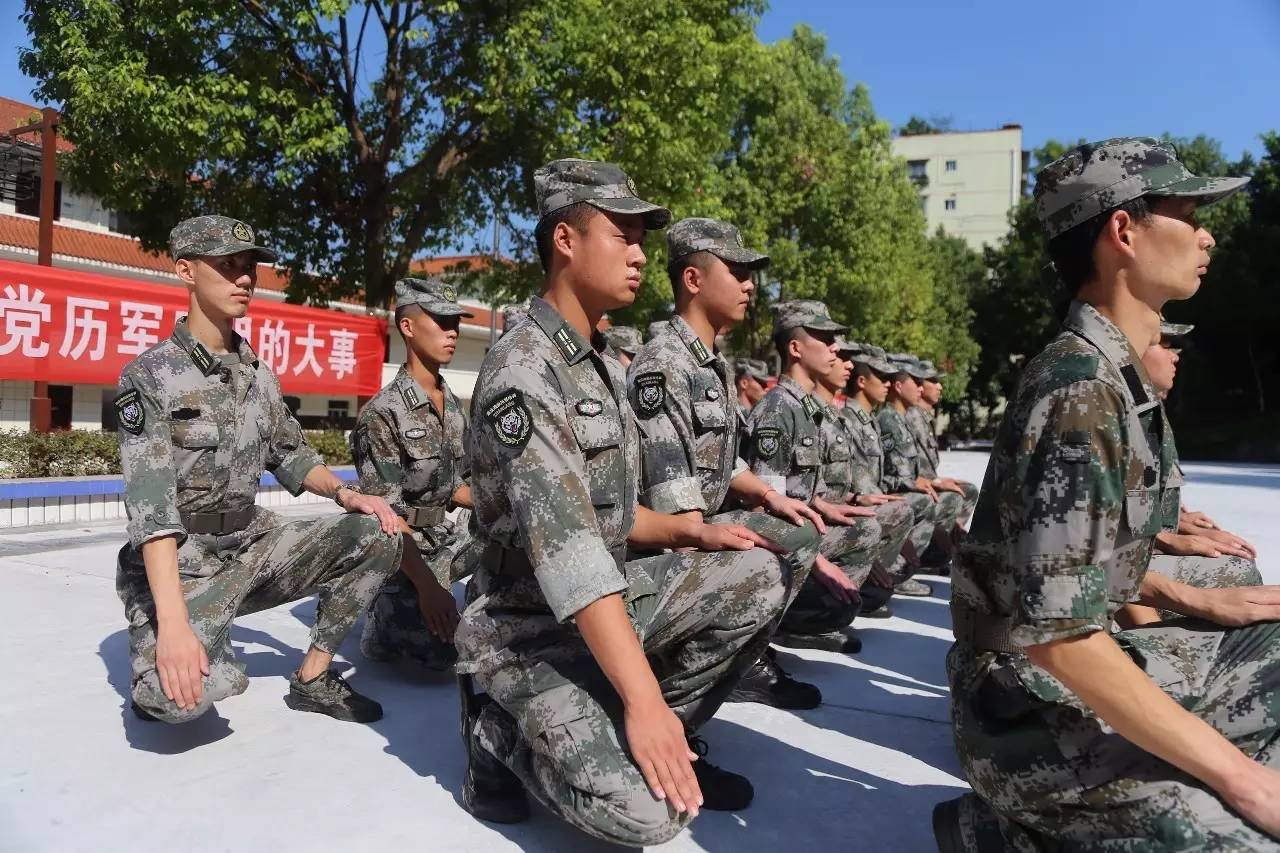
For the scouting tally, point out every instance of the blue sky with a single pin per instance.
(1061, 70)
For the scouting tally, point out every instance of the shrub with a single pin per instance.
(74, 453)
(330, 444)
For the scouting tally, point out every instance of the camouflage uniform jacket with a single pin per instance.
(836, 442)
(554, 462)
(783, 449)
(920, 423)
(868, 455)
(1171, 498)
(410, 453)
(196, 432)
(902, 454)
(688, 417)
(1070, 505)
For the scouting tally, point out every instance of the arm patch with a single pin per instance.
(129, 412)
(767, 441)
(650, 394)
(510, 418)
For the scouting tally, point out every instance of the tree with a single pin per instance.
(917, 126)
(359, 134)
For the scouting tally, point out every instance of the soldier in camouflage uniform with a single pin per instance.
(408, 446)
(868, 389)
(599, 670)
(839, 461)
(1073, 734)
(652, 330)
(750, 378)
(625, 340)
(784, 451)
(920, 419)
(689, 424)
(200, 418)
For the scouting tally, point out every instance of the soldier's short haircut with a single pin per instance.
(403, 311)
(1072, 250)
(780, 341)
(576, 216)
(701, 261)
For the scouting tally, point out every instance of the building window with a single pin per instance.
(60, 406)
(950, 204)
(338, 410)
(109, 421)
(28, 201)
(951, 165)
(917, 171)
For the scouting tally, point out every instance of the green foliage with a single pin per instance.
(917, 126)
(75, 453)
(331, 444)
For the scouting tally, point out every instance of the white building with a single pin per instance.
(968, 180)
(87, 239)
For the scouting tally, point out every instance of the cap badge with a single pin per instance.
(242, 233)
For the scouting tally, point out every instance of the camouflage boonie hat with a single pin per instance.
(753, 367)
(1175, 330)
(715, 236)
(434, 294)
(804, 314)
(875, 358)
(905, 362)
(624, 338)
(655, 328)
(212, 236)
(561, 183)
(1097, 177)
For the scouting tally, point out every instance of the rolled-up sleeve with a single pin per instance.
(1063, 513)
(146, 457)
(289, 457)
(549, 491)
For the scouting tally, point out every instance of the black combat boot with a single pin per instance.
(490, 791)
(769, 684)
(722, 790)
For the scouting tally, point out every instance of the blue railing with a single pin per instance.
(72, 487)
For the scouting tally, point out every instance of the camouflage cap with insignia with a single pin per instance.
(720, 238)
(845, 348)
(875, 358)
(513, 315)
(905, 362)
(561, 183)
(655, 328)
(931, 373)
(1100, 176)
(212, 236)
(753, 367)
(434, 294)
(623, 338)
(804, 314)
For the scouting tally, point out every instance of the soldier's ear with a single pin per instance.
(691, 279)
(185, 268)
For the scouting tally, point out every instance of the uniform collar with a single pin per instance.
(857, 411)
(410, 391)
(811, 404)
(205, 361)
(692, 342)
(1087, 322)
(564, 336)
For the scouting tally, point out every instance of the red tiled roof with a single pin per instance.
(448, 263)
(16, 114)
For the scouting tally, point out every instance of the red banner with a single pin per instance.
(71, 327)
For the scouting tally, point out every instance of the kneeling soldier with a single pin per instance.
(200, 419)
(408, 446)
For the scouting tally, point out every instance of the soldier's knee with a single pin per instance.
(635, 820)
(365, 532)
(762, 575)
(148, 695)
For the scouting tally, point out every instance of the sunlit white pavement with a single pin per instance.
(78, 772)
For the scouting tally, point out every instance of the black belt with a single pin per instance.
(985, 632)
(225, 521)
(425, 516)
(514, 562)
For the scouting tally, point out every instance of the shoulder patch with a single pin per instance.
(1130, 374)
(699, 350)
(129, 411)
(410, 396)
(512, 423)
(767, 441)
(415, 433)
(651, 393)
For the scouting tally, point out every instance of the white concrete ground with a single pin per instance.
(79, 772)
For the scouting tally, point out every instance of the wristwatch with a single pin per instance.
(345, 487)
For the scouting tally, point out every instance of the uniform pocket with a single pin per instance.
(195, 447)
(710, 421)
(806, 457)
(1142, 511)
(195, 435)
(600, 439)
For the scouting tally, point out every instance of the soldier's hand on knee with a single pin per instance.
(1255, 793)
(656, 739)
(1235, 607)
(181, 663)
(374, 505)
(924, 485)
(842, 514)
(439, 610)
(1230, 543)
(947, 484)
(834, 580)
(1182, 545)
(1198, 519)
(795, 511)
(730, 537)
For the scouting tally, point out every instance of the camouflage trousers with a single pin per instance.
(394, 627)
(1205, 573)
(924, 518)
(854, 548)
(896, 524)
(558, 724)
(1057, 778)
(343, 558)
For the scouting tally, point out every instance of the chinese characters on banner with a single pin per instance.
(71, 327)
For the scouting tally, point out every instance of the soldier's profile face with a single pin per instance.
(223, 284)
(607, 259)
(837, 375)
(817, 350)
(1171, 250)
(906, 387)
(752, 389)
(725, 291)
(1161, 363)
(931, 391)
(875, 387)
(433, 339)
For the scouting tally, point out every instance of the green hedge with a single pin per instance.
(84, 453)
